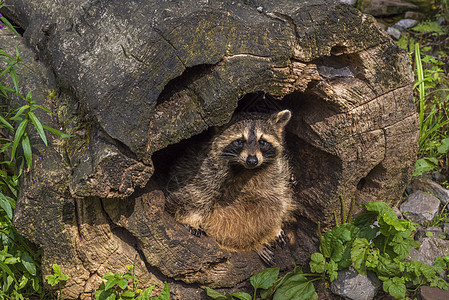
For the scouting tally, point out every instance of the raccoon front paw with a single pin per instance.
(281, 239)
(266, 254)
(195, 231)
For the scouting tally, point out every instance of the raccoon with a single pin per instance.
(236, 189)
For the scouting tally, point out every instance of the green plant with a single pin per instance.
(116, 287)
(57, 278)
(19, 259)
(376, 241)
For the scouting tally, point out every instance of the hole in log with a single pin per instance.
(338, 50)
(340, 66)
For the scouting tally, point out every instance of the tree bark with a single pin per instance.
(137, 80)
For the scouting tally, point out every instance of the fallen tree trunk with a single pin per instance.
(138, 81)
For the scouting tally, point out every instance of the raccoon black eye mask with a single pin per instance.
(230, 196)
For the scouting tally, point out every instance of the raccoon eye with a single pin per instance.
(263, 142)
(239, 142)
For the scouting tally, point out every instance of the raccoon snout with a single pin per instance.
(252, 160)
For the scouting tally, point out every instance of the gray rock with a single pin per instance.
(349, 2)
(431, 248)
(352, 285)
(446, 229)
(421, 234)
(427, 185)
(413, 15)
(420, 207)
(405, 24)
(380, 8)
(394, 32)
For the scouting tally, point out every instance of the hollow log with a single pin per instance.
(139, 81)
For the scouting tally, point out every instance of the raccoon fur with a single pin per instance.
(236, 189)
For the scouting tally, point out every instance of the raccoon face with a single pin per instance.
(253, 142)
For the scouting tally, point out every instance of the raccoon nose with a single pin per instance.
(251, 160)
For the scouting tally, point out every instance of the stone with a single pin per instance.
(427, 185)
(413, 15)
(431, 248)
(422, 233)
(352, 285)
(349, 2)
(405, 24)
(433, 293)
(383, 8)
(394, 32)
(420, 207)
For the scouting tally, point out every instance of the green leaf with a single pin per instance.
(317, 262)
(6, 123)
(128, 294)
(395, 287)
(110, 283)
(358, 255)
(165, 294)
(146, 293)
(56, 270)
(296, 287)
(264, 279)
(51, 279)
(424, 165)
(18, 136)
(26, 146)
(38, 126)
(28, 263)
(444, 147)
(14, 79)
(23, 282)
(242, 296)
(57, 132)
(122, 283)
(5, 205)
(214, 294)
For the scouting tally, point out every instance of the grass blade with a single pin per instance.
(38, 126)
(57, 132)
(26, 146)
(9, 126)
(18, 136)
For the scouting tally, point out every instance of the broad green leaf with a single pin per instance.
(296, 287)
(264, 279)
(38, 126)
(317, 262)
(11, 260)
(358, 255)
(28, 263)
(214, 294)
(128, 294)
(18, 136)
(395, 287)
(122, 283)
(110, 283)
(242, 296)
(51, 279)
(56, 269)
(444, 147)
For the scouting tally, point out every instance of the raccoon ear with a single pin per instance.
(281, 119)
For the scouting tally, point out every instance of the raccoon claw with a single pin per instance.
(282, 239)
(195, 231)
(266, 255)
